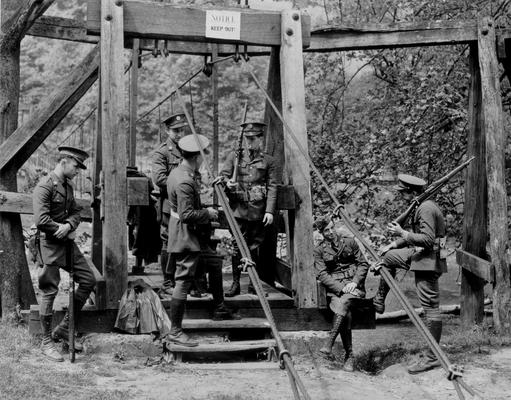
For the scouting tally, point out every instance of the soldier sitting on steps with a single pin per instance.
(342, 269)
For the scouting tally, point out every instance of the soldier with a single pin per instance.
(342, 269)
(57, 216)
(418, 251)
(253, 197)
(167, 157)
(187, 226)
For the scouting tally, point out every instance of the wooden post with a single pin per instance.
(132, 156)
(114, 143)
(214, 98)
(293, 110)
(97, 223)
(475, 213)
(497, 196)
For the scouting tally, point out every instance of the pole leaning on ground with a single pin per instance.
(71, 268)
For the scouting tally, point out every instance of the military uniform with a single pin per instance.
(338, 261)
(255, 195)
(419, 251)
(54, 205)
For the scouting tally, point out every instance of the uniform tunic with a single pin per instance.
(164, 159)
(54, 204)
(419, 251)
(338, 262)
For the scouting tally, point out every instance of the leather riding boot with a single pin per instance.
(431, 362)
(61, 331)
(379, 298)
(235, 288)
(176, 335)
(221, 312)
(347, 342)
(47, 345)
(326, 350)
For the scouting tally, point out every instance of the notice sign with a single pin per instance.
(223, 24)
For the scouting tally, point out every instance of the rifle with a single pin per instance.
(430, 191)
(239, 149)
(70, 263)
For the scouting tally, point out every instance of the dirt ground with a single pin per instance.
(115, 366)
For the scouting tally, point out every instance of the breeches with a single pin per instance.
(164, 230)
(49, 279)
(186, 267)
(342, 305)
(426, 282)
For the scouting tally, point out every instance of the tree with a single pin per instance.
(16, 286)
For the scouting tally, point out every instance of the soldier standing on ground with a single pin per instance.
(165, 158)
(342, 269)
(56, 216)
(418, 251)
(253, 197)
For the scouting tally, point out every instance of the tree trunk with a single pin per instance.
(16, 284)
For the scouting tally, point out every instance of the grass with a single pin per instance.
(25, 374)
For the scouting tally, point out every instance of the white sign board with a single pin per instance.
(223, 24)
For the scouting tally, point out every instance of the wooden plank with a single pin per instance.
(114, 142)
(297, 167)
(138, 191)
(245, 323)
(283, 273)
(100, 290)
(497, 196)
(166, 21)
(404, 34)
(73, 30)
(224, 347)
(21, 203)
(132, 157)
(479, 267)
(475, 218)
(29, 136)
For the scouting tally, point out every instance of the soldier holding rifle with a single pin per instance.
(251, 181)
(419, 251)
(56, 217)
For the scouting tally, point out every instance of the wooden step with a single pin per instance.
(244, 323)
(224, 347)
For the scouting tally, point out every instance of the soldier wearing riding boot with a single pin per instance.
(418, 251)
(56, 216)
(253, 197)
(164, 159)
(342, 269)
(187, 224)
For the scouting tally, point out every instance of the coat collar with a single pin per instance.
(58, 183)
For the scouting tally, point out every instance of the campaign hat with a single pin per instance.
(176, 121)
(76, 154)
(253, 128)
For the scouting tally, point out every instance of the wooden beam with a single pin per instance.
(475, 218)
(62, 28)
(404, 34)
(100, 289)
(166, 21)
(21, 203)
(497, 196)
(297, 167)
(97, 223)
(114, 146)
(132, 155)
(477, 266)
(28, 137)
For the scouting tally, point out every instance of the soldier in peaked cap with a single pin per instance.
(419, 251)
(164, 159)
(56, 216)
(342, 269)
(188, 224)
(253, 197)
